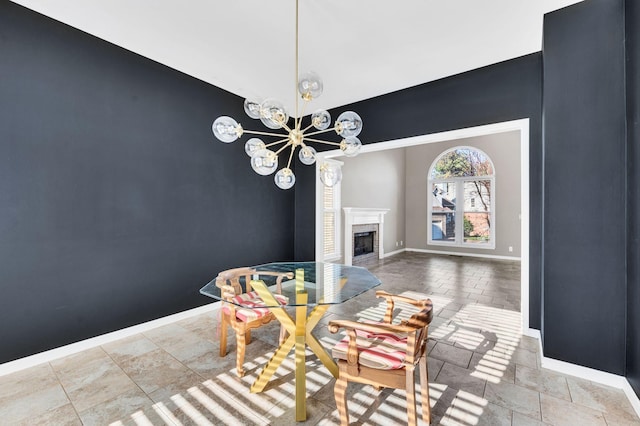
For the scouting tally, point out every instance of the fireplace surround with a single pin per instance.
(363, 220)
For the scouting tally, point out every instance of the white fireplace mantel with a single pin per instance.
(362, 216)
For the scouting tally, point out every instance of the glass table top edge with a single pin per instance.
(324, 283)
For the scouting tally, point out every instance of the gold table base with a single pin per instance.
(299, 337)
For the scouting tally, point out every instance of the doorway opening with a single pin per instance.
(522, 126)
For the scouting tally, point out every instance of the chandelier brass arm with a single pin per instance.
(283, 148)
(276, 142)
(324, 142)
(318, 132)
(254, 132)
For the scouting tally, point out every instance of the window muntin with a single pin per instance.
(451, 178)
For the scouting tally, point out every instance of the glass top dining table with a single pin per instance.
(324, 283)
(315, 285)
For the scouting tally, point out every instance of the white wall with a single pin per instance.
(377, 180)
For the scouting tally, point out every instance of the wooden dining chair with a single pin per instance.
(385, 354)
(243, 309)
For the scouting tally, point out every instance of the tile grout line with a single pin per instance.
(75, 410)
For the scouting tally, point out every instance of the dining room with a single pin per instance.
(118, 204)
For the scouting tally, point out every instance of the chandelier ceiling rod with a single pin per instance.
(295, 86)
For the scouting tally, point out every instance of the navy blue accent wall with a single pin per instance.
(632, 20)
(584, 304)
(506, 91)
(116, 202)
(305, 212)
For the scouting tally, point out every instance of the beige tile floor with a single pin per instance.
(482, 370)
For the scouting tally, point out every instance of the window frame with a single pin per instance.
(337, 225)
(459, 182)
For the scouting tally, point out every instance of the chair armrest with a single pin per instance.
(336, 325)
(288, 275)
(399, 298)
(234, 273)
(391, 298)
(279, 275)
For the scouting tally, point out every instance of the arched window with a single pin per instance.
(461, 199)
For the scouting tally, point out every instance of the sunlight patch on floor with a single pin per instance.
(235, 402)
(190, 410)
(141, 419)
(165, 414)
(265, 401)
(466, 410)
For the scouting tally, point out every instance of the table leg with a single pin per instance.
(282, 351)
(299, 338)
(301, 377)
(273, 364)
(317, 348)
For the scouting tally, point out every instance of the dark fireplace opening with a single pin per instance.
(363, 243)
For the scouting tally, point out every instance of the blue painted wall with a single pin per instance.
(116, 202)
(632, 12)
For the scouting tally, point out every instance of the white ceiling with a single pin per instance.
(360, 48)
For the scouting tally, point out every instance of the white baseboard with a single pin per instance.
(631, 396)
(393, 253)
(53, 354)
(455, 253)
(586, 373)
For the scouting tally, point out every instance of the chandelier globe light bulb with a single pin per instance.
(321, 120)
(264, 162)
(348, 124)
(350, 146)
(253, 145)
(307, 155)
(330, 174)
(285, 179)
(272, 114)
(226, 129)
(310, 86)
(252, 108)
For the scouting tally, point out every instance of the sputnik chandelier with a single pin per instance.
(271, 112)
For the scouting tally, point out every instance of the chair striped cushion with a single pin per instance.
(252, 306)
(383, 351)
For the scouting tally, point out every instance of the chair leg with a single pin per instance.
(340, 393)
(283, 334)
(247, 337)
(411, 396)
(240, 348)
(224, 323)
(424, 390)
